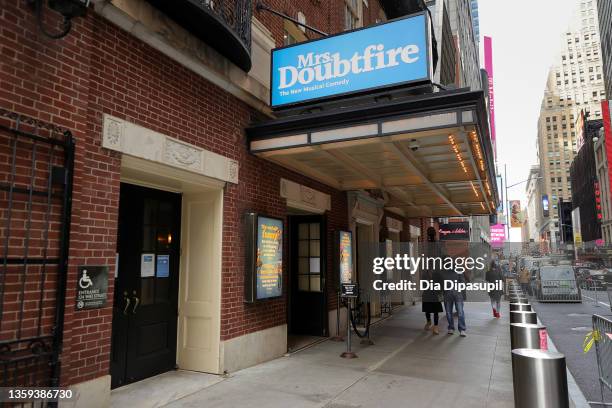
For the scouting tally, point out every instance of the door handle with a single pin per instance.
(136, 303)
(127, 303)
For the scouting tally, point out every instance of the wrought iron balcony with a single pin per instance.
(225, 25)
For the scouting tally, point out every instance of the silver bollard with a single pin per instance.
(525, 335)
(521, 300)
(540, 379)
(520, 307)
(517, 316)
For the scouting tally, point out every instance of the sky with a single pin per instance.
(526, 38)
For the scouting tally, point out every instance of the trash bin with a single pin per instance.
(525, 335)
(540, 379)
(520, 307)
(518, 316)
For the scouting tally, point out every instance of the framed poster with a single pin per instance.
(345, 252)
(264, 265)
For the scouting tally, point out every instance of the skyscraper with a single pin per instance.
(605, 30)
(574, 84)
(475, 20)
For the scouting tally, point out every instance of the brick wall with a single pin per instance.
(98, 68)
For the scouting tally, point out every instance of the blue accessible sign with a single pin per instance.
(385, 55)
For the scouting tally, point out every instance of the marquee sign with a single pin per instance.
(382, 56)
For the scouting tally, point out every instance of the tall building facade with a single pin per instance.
(575, 84)
(533, 207)
(468, 65)
(604, 11)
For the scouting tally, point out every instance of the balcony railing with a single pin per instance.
(225, 25)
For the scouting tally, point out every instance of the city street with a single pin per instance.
(567, 325)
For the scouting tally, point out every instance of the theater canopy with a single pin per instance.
(430, 155)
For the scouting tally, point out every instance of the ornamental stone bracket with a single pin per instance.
(304, 198)
(134, 140)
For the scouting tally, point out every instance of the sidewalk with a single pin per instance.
(406, 367)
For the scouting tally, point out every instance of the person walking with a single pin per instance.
(432, 304)
(454, 299)
(494, 275)
(431, 298)
(524, 278)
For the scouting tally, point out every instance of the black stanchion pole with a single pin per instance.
(338, 337)
(348, 353)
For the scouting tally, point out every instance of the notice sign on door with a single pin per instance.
(92, 287)
(147, 265)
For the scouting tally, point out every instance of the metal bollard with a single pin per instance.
(517, 316)
(521, 300)
(520, 307)
(540, 379)
(525, 335)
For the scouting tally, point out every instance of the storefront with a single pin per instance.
(162, 151)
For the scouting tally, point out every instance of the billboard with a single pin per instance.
(264, 266)
(515, 214)
(498, 235)
(606, 113)
(381, 56)
(576, 227)
(488, 55)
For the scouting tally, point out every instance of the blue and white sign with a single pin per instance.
(381, 56)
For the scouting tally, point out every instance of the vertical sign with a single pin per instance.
(488, 54)
(345, 243)
(545, 205)
(515, 212)
(576, 227)
(269, 257)
(606, 112)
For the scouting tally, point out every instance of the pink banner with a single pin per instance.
(488, 55)
(498, 235)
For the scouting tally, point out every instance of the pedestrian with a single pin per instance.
(432, 302)
(524, 278)
(454, 299)
(431, 298)
(494, 275)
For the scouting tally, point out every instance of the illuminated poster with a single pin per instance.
(498, 235)
(346, 257)
(545, 205)
(515, 213)
(269, 257)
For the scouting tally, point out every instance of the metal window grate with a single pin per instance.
(36, 166)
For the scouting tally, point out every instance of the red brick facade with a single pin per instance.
(99, 68)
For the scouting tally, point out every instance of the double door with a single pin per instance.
(146, 284)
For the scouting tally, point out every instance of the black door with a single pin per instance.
(308, 312)
(146, 286)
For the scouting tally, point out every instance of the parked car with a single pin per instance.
(557, 283)
(595, 279)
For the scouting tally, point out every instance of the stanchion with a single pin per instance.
(523, 317)
(521, 307)
(527, 335)
(540, 379)
(348, 353)
(337, 337)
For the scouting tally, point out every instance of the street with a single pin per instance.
(567, 325)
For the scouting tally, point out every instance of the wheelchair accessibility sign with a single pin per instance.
(92, 287)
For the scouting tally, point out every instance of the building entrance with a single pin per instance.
(308, 306)
(146, 284)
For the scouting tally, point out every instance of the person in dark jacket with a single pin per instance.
(493, 276)
(431, 303)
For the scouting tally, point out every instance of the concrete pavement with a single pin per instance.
(407, 367)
